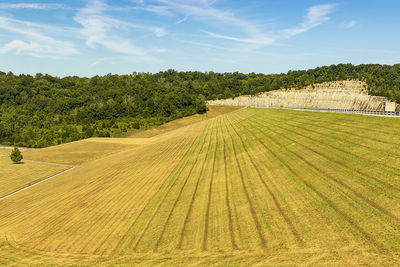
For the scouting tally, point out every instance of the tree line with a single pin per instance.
(43, 110)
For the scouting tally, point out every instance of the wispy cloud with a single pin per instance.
(350, 24)
(316, 15)
(101, 29)
(100, 60)
(141, 6)
(34, 40)
(255, 41)
(204, 11)
(159, 10)
(181, 21)
(101, 26)
(247, 32)
(207, 45)
(31, 6)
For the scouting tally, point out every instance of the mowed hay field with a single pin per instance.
(5, 152)
(213, 111)
(253, 187)
(93, 148)
(16, 176)
(81, 151)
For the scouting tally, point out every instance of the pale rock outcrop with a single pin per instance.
(348, 94)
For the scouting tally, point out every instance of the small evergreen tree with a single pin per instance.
(16, 155)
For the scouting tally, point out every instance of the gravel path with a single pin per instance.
(41, 181)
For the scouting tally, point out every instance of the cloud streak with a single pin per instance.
(31, 6)
(316, 15)
(100, 26)
(100, 29)
(255, 41)
(350, 24)
(35, 41)
(250, 32)
(204, 11)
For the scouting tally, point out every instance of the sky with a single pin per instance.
(97, 37)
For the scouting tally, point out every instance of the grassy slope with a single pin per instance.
(213, 111)
(80, 151)
(5, 152)
(256, 186)
(93, 148)
(16, 176)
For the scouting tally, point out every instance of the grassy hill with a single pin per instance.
(255, 186)
(16, 176)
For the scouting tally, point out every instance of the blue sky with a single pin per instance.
(96, 37)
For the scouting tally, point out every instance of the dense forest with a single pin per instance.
(42, 110)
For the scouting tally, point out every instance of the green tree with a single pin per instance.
(16, 155)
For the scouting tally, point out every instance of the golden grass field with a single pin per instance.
(213, 111)
(252, 187)
(5, 152)
(89, 149)
(80, 151)
(16, 176)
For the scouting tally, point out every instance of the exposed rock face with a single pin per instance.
(333, 95)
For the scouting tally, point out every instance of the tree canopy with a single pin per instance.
(16, 155)
(42, 110)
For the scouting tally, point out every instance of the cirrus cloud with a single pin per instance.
(35, 42)
(316, 15)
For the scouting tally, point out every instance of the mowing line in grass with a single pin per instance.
(108, 207)
(205, 235)
(160, 238)
(363, 233)
(276, 202)
(392, 169)
(256, 220)
(282, 145)
(144, 192)
(354, 124)
(80, 200)
(293, 190)
(351, 134)
(341, 183)
(242, 218)
(179, 246)
(360, 172)
(118, 183)
(155, 212)
(148, 183)
(228, 205)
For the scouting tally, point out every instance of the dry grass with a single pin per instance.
(16, 176)
(80, 151)
(254, 187)
(5, 152)
(213, 112)
(93, 148)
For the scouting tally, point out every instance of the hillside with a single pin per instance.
(329, 95)
(42, 110)
(89, 149)
(16, 176)
(255, 186)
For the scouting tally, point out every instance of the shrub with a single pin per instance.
(16, 155)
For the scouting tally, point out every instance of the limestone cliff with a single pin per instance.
(333, 95)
